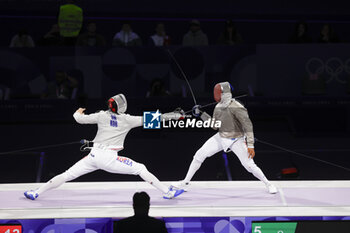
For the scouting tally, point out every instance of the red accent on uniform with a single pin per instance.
(114, 148)
(217, 92)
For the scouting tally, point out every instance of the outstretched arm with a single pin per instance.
(177, 114)
(134, 121)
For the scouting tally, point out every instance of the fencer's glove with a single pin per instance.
(196, 112)
(181, 112)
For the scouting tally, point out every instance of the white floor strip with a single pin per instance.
(280, 191)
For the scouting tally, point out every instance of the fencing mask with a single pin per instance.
(117, 103)
(222, 90)
(222, 93)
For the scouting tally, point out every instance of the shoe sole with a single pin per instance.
(175, 195)
(179, 193)
(27, 196)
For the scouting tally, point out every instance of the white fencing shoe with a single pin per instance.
(271, 188)
(172, 193)
(32, 195)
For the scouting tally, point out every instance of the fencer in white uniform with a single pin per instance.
(113, 126)
(235, 134)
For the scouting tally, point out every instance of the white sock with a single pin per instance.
(195, 165)
(53, 183)
(150, 178)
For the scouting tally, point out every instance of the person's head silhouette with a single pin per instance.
(141, 203)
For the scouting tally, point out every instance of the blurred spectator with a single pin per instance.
(140, 222)
(63, 87)
(52, 38)
(195, 36)
(90, 37)
(157, 89)
(70, 20)
(230, 36)
(327, 35)
(300, 34)
(126, 37)
(160, 38)
(22, 40)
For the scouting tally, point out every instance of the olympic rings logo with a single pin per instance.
(334, 67)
